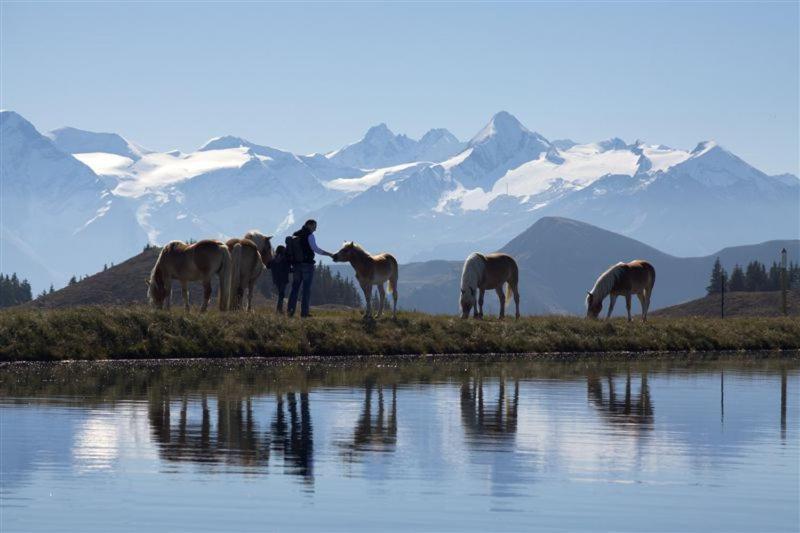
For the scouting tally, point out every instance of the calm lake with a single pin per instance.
(402, 444)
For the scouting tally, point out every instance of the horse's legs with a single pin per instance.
(185, 292)
(206, 295)
(611, 301)
(643, 303)
(479, 307)
(382, 296)
(628, 305)
(502, 297)
(168, 297)
(367, 288)
(394, 298)
(250, 294)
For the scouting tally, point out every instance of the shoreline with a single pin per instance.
(137, 333)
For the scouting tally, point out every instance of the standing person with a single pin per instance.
(303, 247)
(280, 267)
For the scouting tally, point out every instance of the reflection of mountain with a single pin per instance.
(374, 433)
(234, 436)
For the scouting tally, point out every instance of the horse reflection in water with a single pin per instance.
(492, 424)
(635, 411)
(376, 432)
(235, 437)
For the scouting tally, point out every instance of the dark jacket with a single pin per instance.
(280, 269)
(308, 253)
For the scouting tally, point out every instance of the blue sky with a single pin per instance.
(313, 77)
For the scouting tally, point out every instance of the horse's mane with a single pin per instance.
(359, 249)
(473, 270)
(604, 284)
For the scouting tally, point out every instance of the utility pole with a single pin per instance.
(783, 281)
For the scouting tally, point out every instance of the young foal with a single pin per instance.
(371, 270)
(190, 262)
(486, 272)
(622, 279)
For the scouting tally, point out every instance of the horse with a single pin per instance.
(484, 272)
(371, 270)
(622, 279)
(247, 267)
(190, 262)
(263, 243)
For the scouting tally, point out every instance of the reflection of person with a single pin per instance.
(280, 268)
(303, 266)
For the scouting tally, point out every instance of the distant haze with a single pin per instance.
(313, 77)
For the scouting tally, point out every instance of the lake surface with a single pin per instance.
(379, 445)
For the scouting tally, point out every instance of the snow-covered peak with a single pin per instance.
(76, 141)
(703, 147)
(224, 143)
(614, 143)
(502, 124)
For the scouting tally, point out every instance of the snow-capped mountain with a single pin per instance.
(58, 218)
(430, 198)
(380, 148)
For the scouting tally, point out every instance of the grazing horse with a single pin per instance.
(371, 270)
(622, 279)
(486, 272)
(247, 267)
(190, 262)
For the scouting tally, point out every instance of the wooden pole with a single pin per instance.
(783, 282)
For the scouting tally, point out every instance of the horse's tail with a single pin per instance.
(513, 282)
(392, 285)
(225, 277)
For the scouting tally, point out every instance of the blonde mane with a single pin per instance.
(471, 275)
(605, 283)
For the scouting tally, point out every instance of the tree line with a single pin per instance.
(13, 291)
(755, 277)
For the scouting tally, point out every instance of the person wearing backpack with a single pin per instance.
(302, 246)
(280, 267)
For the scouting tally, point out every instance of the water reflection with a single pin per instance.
(373, 432)
(541, 439)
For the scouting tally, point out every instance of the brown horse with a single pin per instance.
(190, 262)
(371, 270)
(487, 272)
(263, 243)
(247, 267)
(622, 279)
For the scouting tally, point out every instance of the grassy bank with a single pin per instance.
(137, 332)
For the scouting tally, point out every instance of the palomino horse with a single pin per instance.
(247, 267)
(371, 270)
(486, 272)
(190, 262)
(622, 279)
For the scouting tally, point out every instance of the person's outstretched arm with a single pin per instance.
(317, 250)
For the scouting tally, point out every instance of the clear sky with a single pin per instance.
(313, 77)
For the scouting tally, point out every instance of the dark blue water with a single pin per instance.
(410, 445)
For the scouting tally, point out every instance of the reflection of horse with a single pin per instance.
(488, 272)
(377, 433)
(371, 270)
(634, 410)
(498, 423)
(190, 262)
(238, 438)
(622, 279)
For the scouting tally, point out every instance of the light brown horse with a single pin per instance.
(622, 279)
(263, 243)
(371, 270)
(190, 262)
(247, 267)
(487, 272)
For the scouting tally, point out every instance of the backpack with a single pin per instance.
(294, 249)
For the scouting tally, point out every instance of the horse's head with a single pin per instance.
(593, 305)
(156, 290)
(345, 253)
(266, 250)
(467, 301)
